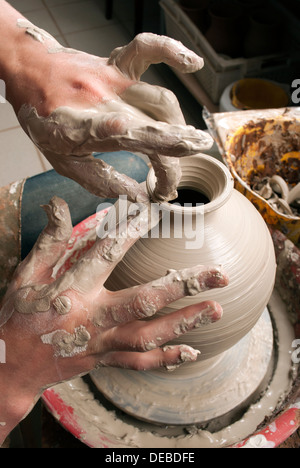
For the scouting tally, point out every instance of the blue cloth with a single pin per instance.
(40, 189)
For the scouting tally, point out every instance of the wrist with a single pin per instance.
(21, 58)
(15, 403)
(17, 388)
(10, 36)
(13, 409)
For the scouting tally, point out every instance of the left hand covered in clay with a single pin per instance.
(77, 104)
(57, 328)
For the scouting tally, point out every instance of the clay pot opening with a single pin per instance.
(189, 196)
(204, 180)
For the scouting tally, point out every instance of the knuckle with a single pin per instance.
(139, 364)
(27, 302)
(112, 125)
(144, 305)
(62, 305)
(143, 345)
(167, 97)
(111, 249)
(141, 37)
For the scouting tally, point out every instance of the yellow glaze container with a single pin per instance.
(255, 93)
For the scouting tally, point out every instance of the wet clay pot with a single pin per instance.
(227, 230)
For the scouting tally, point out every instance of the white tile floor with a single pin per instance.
(79, 24)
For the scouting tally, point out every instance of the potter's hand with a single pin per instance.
(55, 329)
(87, 104)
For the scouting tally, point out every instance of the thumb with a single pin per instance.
(50, 246)
(147, 48)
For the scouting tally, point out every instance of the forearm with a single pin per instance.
(8, 421)
(10, 37)
(18, 390)
(11, 416)
(13, 405)
(20, 57)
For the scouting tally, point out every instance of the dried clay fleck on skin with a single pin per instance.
(191, 279)
(40, 35)
(187, 354)
(62, 305)
(150, 346)
(68, 344)
(203, 319)
(36, 33)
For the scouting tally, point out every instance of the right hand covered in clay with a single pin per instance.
(74, 104)
(55, 329)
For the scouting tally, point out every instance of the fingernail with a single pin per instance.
(188, 354)
(216, 278)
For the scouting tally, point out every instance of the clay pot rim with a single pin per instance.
(220, 194)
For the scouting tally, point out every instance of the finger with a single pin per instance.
(140, 134)
(98, 130)
(158, 103)
(144, 301)
(168, 174)
(143, 336)
(147, 48)
(98, 177)
(92, 270)
(169, 357)
(50, 246)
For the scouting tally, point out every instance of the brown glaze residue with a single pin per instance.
(257, 153)
(265, 148)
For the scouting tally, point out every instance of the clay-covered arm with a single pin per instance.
(17, 54)
(9, 41)
(72, 104)
(58, 328)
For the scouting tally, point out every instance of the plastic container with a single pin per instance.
(220, 71)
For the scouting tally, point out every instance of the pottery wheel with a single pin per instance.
(197, 392)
